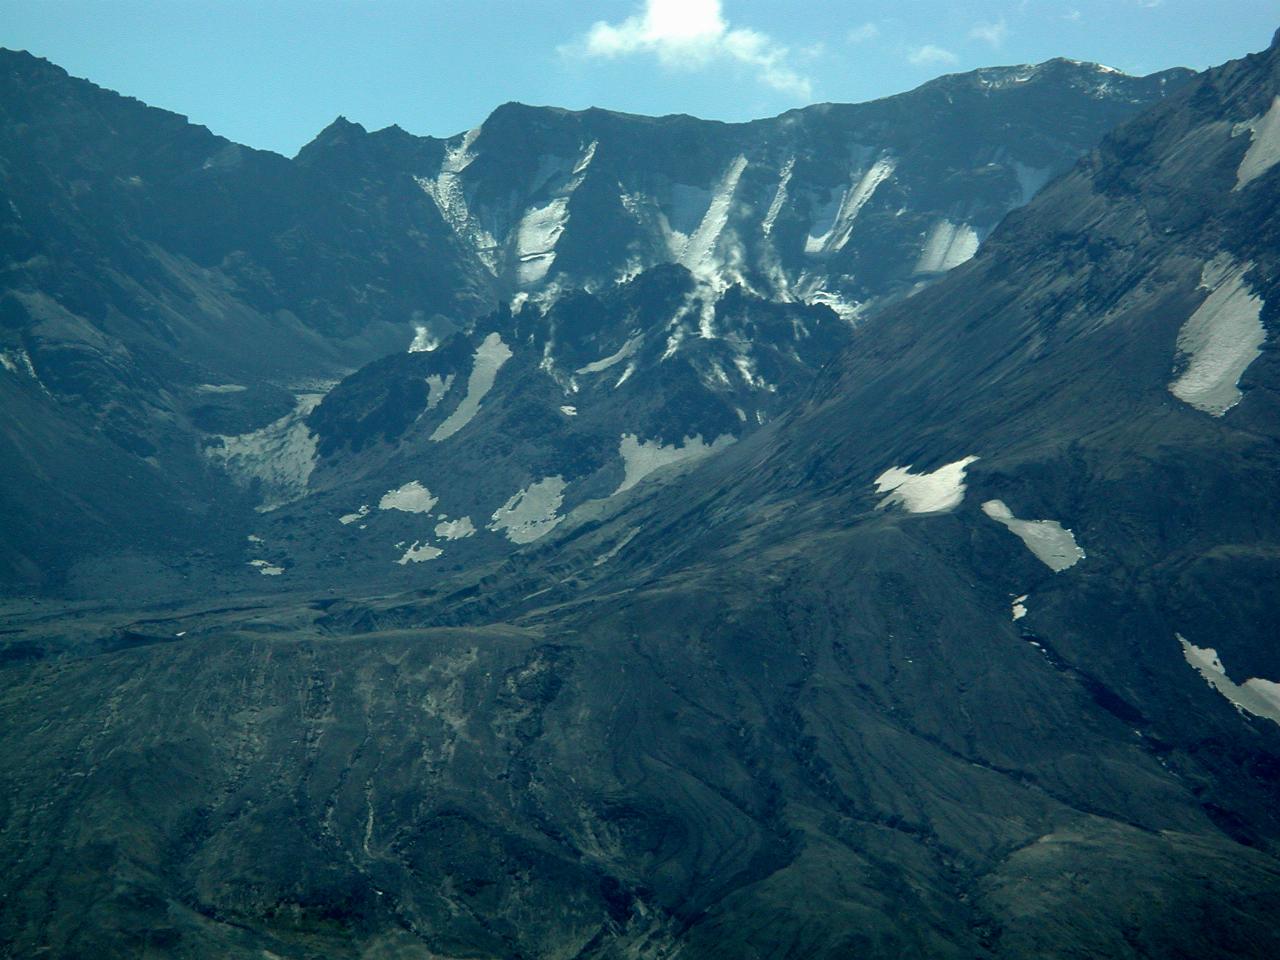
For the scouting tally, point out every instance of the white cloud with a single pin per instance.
(931, 54)
(691, 35)
(992, 33)
(868, 31)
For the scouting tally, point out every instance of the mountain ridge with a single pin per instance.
(156, 268)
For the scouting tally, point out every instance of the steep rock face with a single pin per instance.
(176, 303)
(837, 203)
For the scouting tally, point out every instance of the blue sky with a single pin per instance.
(272, 73)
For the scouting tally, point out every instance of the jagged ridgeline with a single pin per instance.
(220, 333)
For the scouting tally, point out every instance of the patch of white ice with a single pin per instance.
(455, 529)
(412, 497)
(851, 203)
(417, 554)
(1220, 339)
(489, 358)
(540, 227)
(450, 197)
(568, 410)
(437, 387)
(360, 514)
(1053, 545)
(1264, 152)
(266, 569)
(642, 457)
(536, 238)
(947, 246)
(779, 198)
(1019, 607)
(19, 361)
(935, 492)
(846, 311)
(585, 160)
(698, 254)
(1258, 697)
(279, 457)
(622, 353)
(531, 512)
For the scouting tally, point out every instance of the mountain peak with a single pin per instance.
(341, 132)
(341, 125)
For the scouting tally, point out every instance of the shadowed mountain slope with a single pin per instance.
(176, 304)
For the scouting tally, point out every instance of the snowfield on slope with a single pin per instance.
(642, 457)
(1264, 151)
(489, 358)
(1053, 545)
(1220, 339)
(935, 492)
(531, 513)
(280, 456)
(946, 247)
(1258, 697)
(412, 497)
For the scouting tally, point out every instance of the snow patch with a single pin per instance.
(947, 246)
(417, 554)
(623, 352)
(1019, 607)
(279, 457)
(844, 309)
(455, 529)
(489, 358)
(413, 497)
(779, 198)
(568, 410)
(437, 387)
(641, 458)
(18, 361)
(536, 238)
(1258, 697)
(851, 202)
(450, 197)
(935, 492)
(1264, 152)
(1053, 545)
(541, 227)
(531, 512)
(266, 569)
(360, 514)
(698, 254)
(207, 387)
(1220, 339)
(585, 160)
